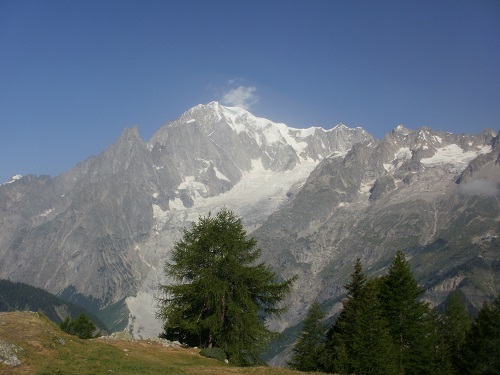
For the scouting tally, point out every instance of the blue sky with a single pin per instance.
(74, 74)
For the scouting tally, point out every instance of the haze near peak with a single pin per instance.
(242, 96)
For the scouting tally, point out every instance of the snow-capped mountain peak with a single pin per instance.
(12, 179)
(218, 145)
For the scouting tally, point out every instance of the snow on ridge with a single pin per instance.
(340, 126)
(389, 167)
(234, 111)
(454, 155)
(401, 129)
(12, 179)
(266, 130)
(262, 130)
(176, 204)
(338, 154)
(257, 185)
(191, 184)
(220, 175)
(303, 133)
(46, 212)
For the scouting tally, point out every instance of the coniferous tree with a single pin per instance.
(310, 345)
(82, 326)
(373, 351)
(339, 337)
(410, 322)
(221, 297)
(358, 281)
(359, 342)
(454, 325)
(441, 357)
(481, 350)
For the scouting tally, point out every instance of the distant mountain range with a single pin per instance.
(315, 199)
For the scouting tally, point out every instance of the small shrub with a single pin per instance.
(215, 353)
(82, 327)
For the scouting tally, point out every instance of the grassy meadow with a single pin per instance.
(43, 348)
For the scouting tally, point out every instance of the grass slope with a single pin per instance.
(43, 348)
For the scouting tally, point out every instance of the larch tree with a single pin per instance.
(221, 296)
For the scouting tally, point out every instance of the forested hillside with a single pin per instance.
(385, 328)
(19, 296)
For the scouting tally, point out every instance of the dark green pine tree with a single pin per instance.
(441, 357)
(454, 325)
(339, 336)
(359, 342)
(372, 350)
(481, 351)
(358, 281)
(310, 346)
(221, 297)
(410, 322)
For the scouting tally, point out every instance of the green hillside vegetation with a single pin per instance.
(42, 348)
(81, 327)
(15, 296)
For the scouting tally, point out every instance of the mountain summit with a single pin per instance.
(209, 148)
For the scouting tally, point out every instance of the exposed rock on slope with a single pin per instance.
(403, 192)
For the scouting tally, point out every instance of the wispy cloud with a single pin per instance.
(480, 187)
(241, 96)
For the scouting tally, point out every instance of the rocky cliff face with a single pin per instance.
(79, 229)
